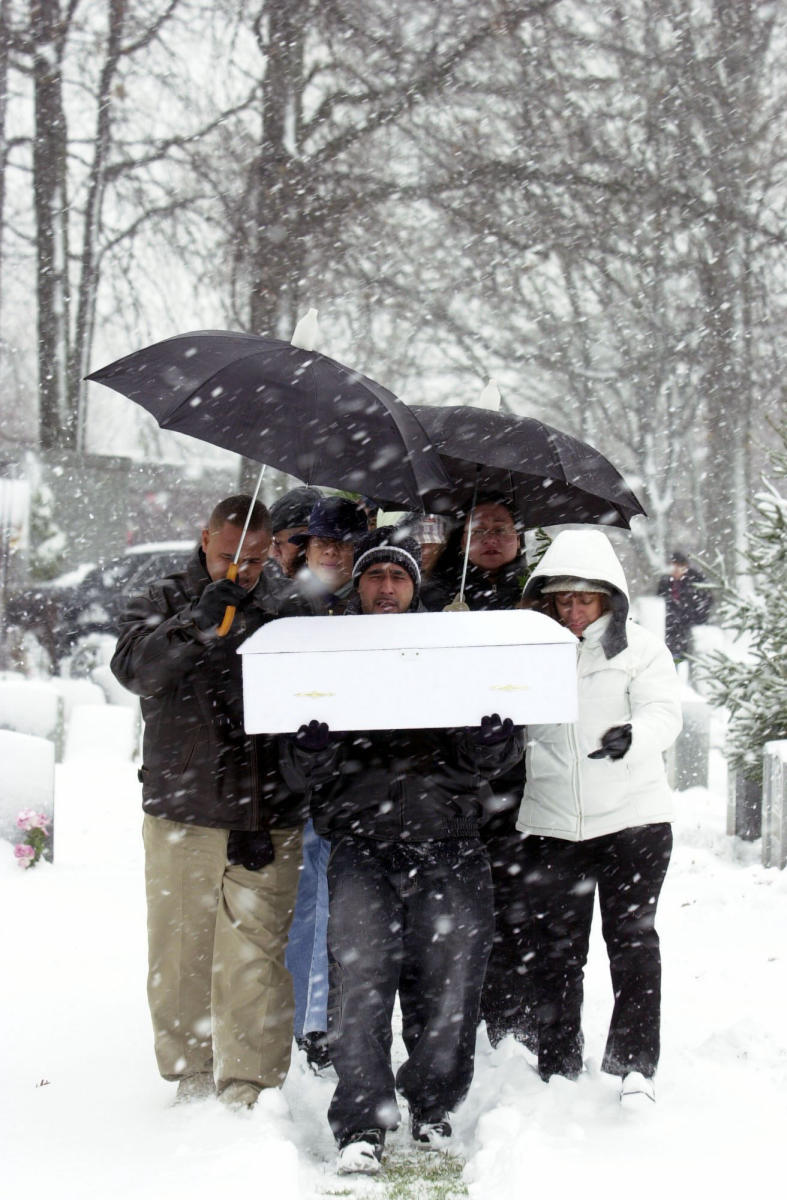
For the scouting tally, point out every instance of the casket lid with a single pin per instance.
(405, 631)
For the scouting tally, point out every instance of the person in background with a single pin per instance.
(321, 588)
(324, 584)
(289, 516)
(596, 816)
(431, 533)
(222, 845)
(686, 603)
(496, 571)
(410, 892)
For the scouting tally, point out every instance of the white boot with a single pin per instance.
(361, 1153)
(635, 1089)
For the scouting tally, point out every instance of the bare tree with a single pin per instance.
(612, 198)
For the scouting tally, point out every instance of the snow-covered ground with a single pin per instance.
(84, 1114)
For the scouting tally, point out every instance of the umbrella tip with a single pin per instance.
(306, 332)
(490, 397)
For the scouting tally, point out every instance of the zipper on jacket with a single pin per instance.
(255, 775)
(576, 780)
(402, 804)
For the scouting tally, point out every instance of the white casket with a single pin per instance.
(408, 671)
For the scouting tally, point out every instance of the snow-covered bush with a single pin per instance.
(753, 608)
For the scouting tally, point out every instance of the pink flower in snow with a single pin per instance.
(24, 855)
(30, 819)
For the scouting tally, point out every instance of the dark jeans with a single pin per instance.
(560, 883)
(507, 1000)
(417, 918)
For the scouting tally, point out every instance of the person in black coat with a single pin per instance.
(410, 892)
(497, 570)
(222, 831)
(686, 603)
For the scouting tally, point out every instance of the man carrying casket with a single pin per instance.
(410, 890)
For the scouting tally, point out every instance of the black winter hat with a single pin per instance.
(336, 518)
(391, 544)
(294, 508)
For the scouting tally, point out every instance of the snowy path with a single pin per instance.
(74, 1015)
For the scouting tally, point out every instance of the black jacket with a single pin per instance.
(198, 763)
(401, 784)
(686, 605)
(482, 590)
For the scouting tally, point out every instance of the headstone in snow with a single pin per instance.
(101, 731)
(687, 758)
(774, 805)
(744, 807)
(114, 692)
(33, 707)
(28, 779)
(77, 691)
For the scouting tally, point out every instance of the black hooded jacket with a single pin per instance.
(199, 766)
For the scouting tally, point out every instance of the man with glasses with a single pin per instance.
(495, 564)
(496, 573)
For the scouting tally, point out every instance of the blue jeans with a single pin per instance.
(307, 949)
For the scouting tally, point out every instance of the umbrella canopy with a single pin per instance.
(293, 409)
(551, 477)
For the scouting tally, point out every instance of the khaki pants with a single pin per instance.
(220, 997)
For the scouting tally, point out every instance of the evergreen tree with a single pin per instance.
(47, 540)
(753, 687)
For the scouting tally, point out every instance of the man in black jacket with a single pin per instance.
(410, 893)
(496, 573)
(221, 831)
(687, 603)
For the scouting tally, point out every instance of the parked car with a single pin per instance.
(69, 615)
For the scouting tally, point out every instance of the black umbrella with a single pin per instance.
(293, 409)
(550, 477)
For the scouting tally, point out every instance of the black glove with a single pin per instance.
(493, 730)
(252, 850)
(313, 737)
(614, 743)
(217, 596)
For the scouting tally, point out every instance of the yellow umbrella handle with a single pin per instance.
(229, 611)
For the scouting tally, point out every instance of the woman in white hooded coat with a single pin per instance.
(597, 809)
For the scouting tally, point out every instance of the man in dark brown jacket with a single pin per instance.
(222, 833)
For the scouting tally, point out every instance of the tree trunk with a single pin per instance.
(277, 242)
(88, 270)
(56, 411)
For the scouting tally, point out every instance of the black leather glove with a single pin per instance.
(493, 730)
(614, 743)
(217, 596)
(250, 849)
(313, 737)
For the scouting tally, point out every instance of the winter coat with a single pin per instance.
(624, 675)
(686, 605)
(482, 590)
(199, 766)
(402, 784)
